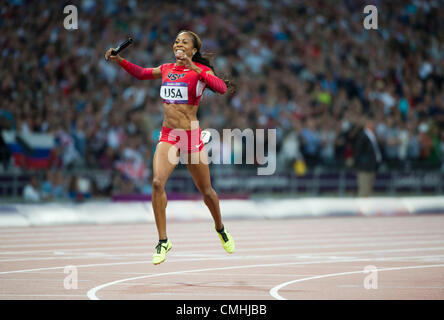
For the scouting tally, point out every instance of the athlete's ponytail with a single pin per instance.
(202, 59)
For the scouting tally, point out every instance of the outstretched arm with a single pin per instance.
(133, 69)
(139, 72)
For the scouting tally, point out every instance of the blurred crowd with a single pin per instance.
(307, 68)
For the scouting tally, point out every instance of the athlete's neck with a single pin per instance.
(179, 63)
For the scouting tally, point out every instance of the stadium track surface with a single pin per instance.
(275, 259)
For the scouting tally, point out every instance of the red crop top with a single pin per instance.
(180, 85)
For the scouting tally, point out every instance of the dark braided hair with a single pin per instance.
(205, 57)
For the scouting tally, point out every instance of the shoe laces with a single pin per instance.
(159, 248)
(224, 236)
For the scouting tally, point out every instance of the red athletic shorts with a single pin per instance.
(185, 140)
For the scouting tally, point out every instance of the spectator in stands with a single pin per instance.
(367, 158)
(53, 185)
(58, 185)
(80, 188)
(32, 192)
(392, 142)
(107, 159)
(5, 154)
(290, 151)
(311, 143)
(327, 136)
(414, 145)
(47, 185)
(434, 158)
(441, 150)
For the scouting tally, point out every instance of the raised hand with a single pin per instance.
(116, 59)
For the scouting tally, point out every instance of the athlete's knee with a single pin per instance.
(208, 192)
(158, 185)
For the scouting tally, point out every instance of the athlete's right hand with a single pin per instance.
(116, 59)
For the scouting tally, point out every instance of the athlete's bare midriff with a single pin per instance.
(179, 116)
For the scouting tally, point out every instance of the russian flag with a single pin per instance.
(31, 151)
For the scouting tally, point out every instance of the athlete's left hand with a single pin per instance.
(187, 62)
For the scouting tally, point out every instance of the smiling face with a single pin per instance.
(184, 42)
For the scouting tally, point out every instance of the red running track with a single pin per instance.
(275, 259)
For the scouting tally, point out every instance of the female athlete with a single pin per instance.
(183, 84)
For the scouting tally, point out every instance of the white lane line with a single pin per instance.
(300, 255)
(78, 266)
(206, 233)
(182, 258)
(277, 248)
(92, 293)
(274, 291)
(235, 226)
(118, 234)
(22, 240)
(96, 255)
(242, 238)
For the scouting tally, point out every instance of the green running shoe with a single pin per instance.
(226, 239)
(161, 250)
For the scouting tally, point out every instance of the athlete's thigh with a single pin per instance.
(200, 171)
(164, 161)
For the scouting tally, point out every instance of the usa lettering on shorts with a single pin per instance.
(174, 92)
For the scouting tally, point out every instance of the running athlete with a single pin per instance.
(183, 84)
